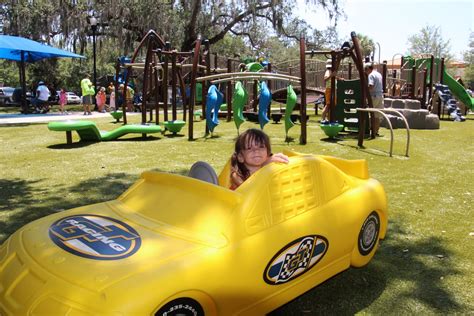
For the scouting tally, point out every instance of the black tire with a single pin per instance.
(184, 306)
(369, 234)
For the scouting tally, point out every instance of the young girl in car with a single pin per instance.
(252, 152)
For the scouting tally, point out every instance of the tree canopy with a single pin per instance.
(227, 24)
(469, 58)
(429, 41)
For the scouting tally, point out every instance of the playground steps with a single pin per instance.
(416, 117)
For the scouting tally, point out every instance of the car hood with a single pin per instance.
(98, 245)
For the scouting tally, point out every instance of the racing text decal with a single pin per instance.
(95, 237)
(295, 259)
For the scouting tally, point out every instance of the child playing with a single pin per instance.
(62, 100)
(252, 152)
(100, 100)
(112, 100)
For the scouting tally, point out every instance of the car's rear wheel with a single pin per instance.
(183, 306)
(367, 240)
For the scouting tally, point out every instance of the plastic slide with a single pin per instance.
(264, 103)
(458, 91)
(238, 101)
(213, 104)
(290, 105)
(88, 130)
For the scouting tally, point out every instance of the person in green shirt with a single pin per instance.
(88, 92)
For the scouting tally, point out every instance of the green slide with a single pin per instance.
(458, 91)
(88, 130)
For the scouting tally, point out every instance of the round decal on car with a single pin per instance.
(95, 237)
(296, 258)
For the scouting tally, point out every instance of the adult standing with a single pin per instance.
(87, 94)
(374, 79)
(41, 99)
(328, 74)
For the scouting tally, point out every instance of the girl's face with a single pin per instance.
(254, 154)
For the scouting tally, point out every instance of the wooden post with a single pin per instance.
(413, 82)
(332, 100)
(430, 91)
(192, 97)
(207, 56)
(303, 137)
(165, 81)
(423, 98)
(68, 137)
(394, 76)
(255, 95)
(364, 87)
(384, 76)
(441, 81)
(146, 77)
(229, 92)
(173, 85)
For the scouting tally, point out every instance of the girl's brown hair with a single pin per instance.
(245, 141)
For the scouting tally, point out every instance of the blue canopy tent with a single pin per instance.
(24, 50)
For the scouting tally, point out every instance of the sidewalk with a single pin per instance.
(18, 118)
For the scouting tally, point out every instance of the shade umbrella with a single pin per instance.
(24, 50)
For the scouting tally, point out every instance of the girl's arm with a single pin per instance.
(235, 179)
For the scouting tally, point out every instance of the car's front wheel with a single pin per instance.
(183, 306)
(367, 240)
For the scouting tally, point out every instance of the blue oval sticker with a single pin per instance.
(95, 237)
(296, 258)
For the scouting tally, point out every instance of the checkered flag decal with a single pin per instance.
(299, 260)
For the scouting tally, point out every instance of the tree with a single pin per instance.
(429, 41)
(121, 23)
(469, 58)
(367, 45)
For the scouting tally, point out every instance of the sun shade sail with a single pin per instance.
(11, 48)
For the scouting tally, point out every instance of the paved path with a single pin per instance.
(16, 118)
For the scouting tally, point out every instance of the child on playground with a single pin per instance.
(327, 94)
(252, 152)
(62, 101)
(100, 99)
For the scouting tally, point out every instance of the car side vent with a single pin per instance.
(293, 192)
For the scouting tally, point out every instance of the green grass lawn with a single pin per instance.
(424, 266)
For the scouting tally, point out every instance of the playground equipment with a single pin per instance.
(88, 130)
(213, 104)
(239, 99)
(164, 69)
(417, 79)
(117, 115)
(281, 228)
(290, 105)
(449, 102)
(264, 104)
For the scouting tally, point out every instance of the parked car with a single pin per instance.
(6, 95)
(176, 245)
(71, 97)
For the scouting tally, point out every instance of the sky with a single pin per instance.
(390, 23)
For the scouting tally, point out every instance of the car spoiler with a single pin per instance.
(357, 167)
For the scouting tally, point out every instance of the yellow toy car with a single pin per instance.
(175, 245)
